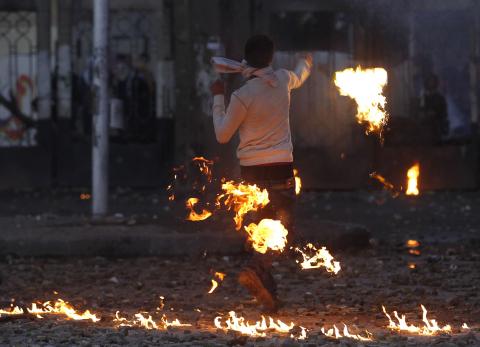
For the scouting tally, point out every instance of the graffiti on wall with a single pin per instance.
(17, 79)
(16, 123)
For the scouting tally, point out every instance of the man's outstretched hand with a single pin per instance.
(308, 58)
(217, 88)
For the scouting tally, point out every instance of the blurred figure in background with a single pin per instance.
(135, 87)
(433, 106)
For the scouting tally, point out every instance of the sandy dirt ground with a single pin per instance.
(443, 276)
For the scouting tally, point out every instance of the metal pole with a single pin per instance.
(101, 112)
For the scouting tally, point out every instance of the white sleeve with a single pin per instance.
(226, 124)
(300, 74)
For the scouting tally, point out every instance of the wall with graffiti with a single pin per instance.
(17, 79)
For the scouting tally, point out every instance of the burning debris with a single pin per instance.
(386, 184)
(430, 326)
(314, 258)
(268, 234)
(336, 334)
(194, 216)
(412, 180)
(219, 276)
(205, 167)
(365, 86)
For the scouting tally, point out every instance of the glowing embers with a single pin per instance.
(412, 180)
(298, 182)
(259, 328)
(267, 235)
(144, 320)
(313, 258)
(220, 276)
(58, 307)
(430, 326)
(413, 247)
(242, 198)
(365, 86)
(193, 215)
(337, 334)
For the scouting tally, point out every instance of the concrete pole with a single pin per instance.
(475, 68)
(44, 85)
(101, 113)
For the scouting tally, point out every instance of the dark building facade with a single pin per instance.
(160, 72)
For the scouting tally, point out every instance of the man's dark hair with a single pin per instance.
(259, 51)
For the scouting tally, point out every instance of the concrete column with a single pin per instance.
(164, 66)
(64, 59)
(44, 85)
(474, 67)
(101, 113)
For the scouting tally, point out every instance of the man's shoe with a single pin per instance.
(253, 283)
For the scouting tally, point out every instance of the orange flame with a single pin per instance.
(194, 216)
(430, 327)
(365, 86)
(412, 180)
(268, 234)
(62, 307)
(242, 198)
(336, 334)
(220, 276)
(12, 311)
(314, 258)
(412, 243)
(298, 182)
(57, 307)
(142, 320)
(259, 328)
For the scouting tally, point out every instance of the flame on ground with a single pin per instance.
(12, 311)
(412, 180)
(298, 182)
(58, 307)
(302, 335)
(242, 198)
(314, 258)
(268, 234)
(430, 326)
(220, 276)
(194, 216)
(365, 86)
(144, 320)
(336, 334)
(259, 328)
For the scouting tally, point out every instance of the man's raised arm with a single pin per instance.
(301, 72)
